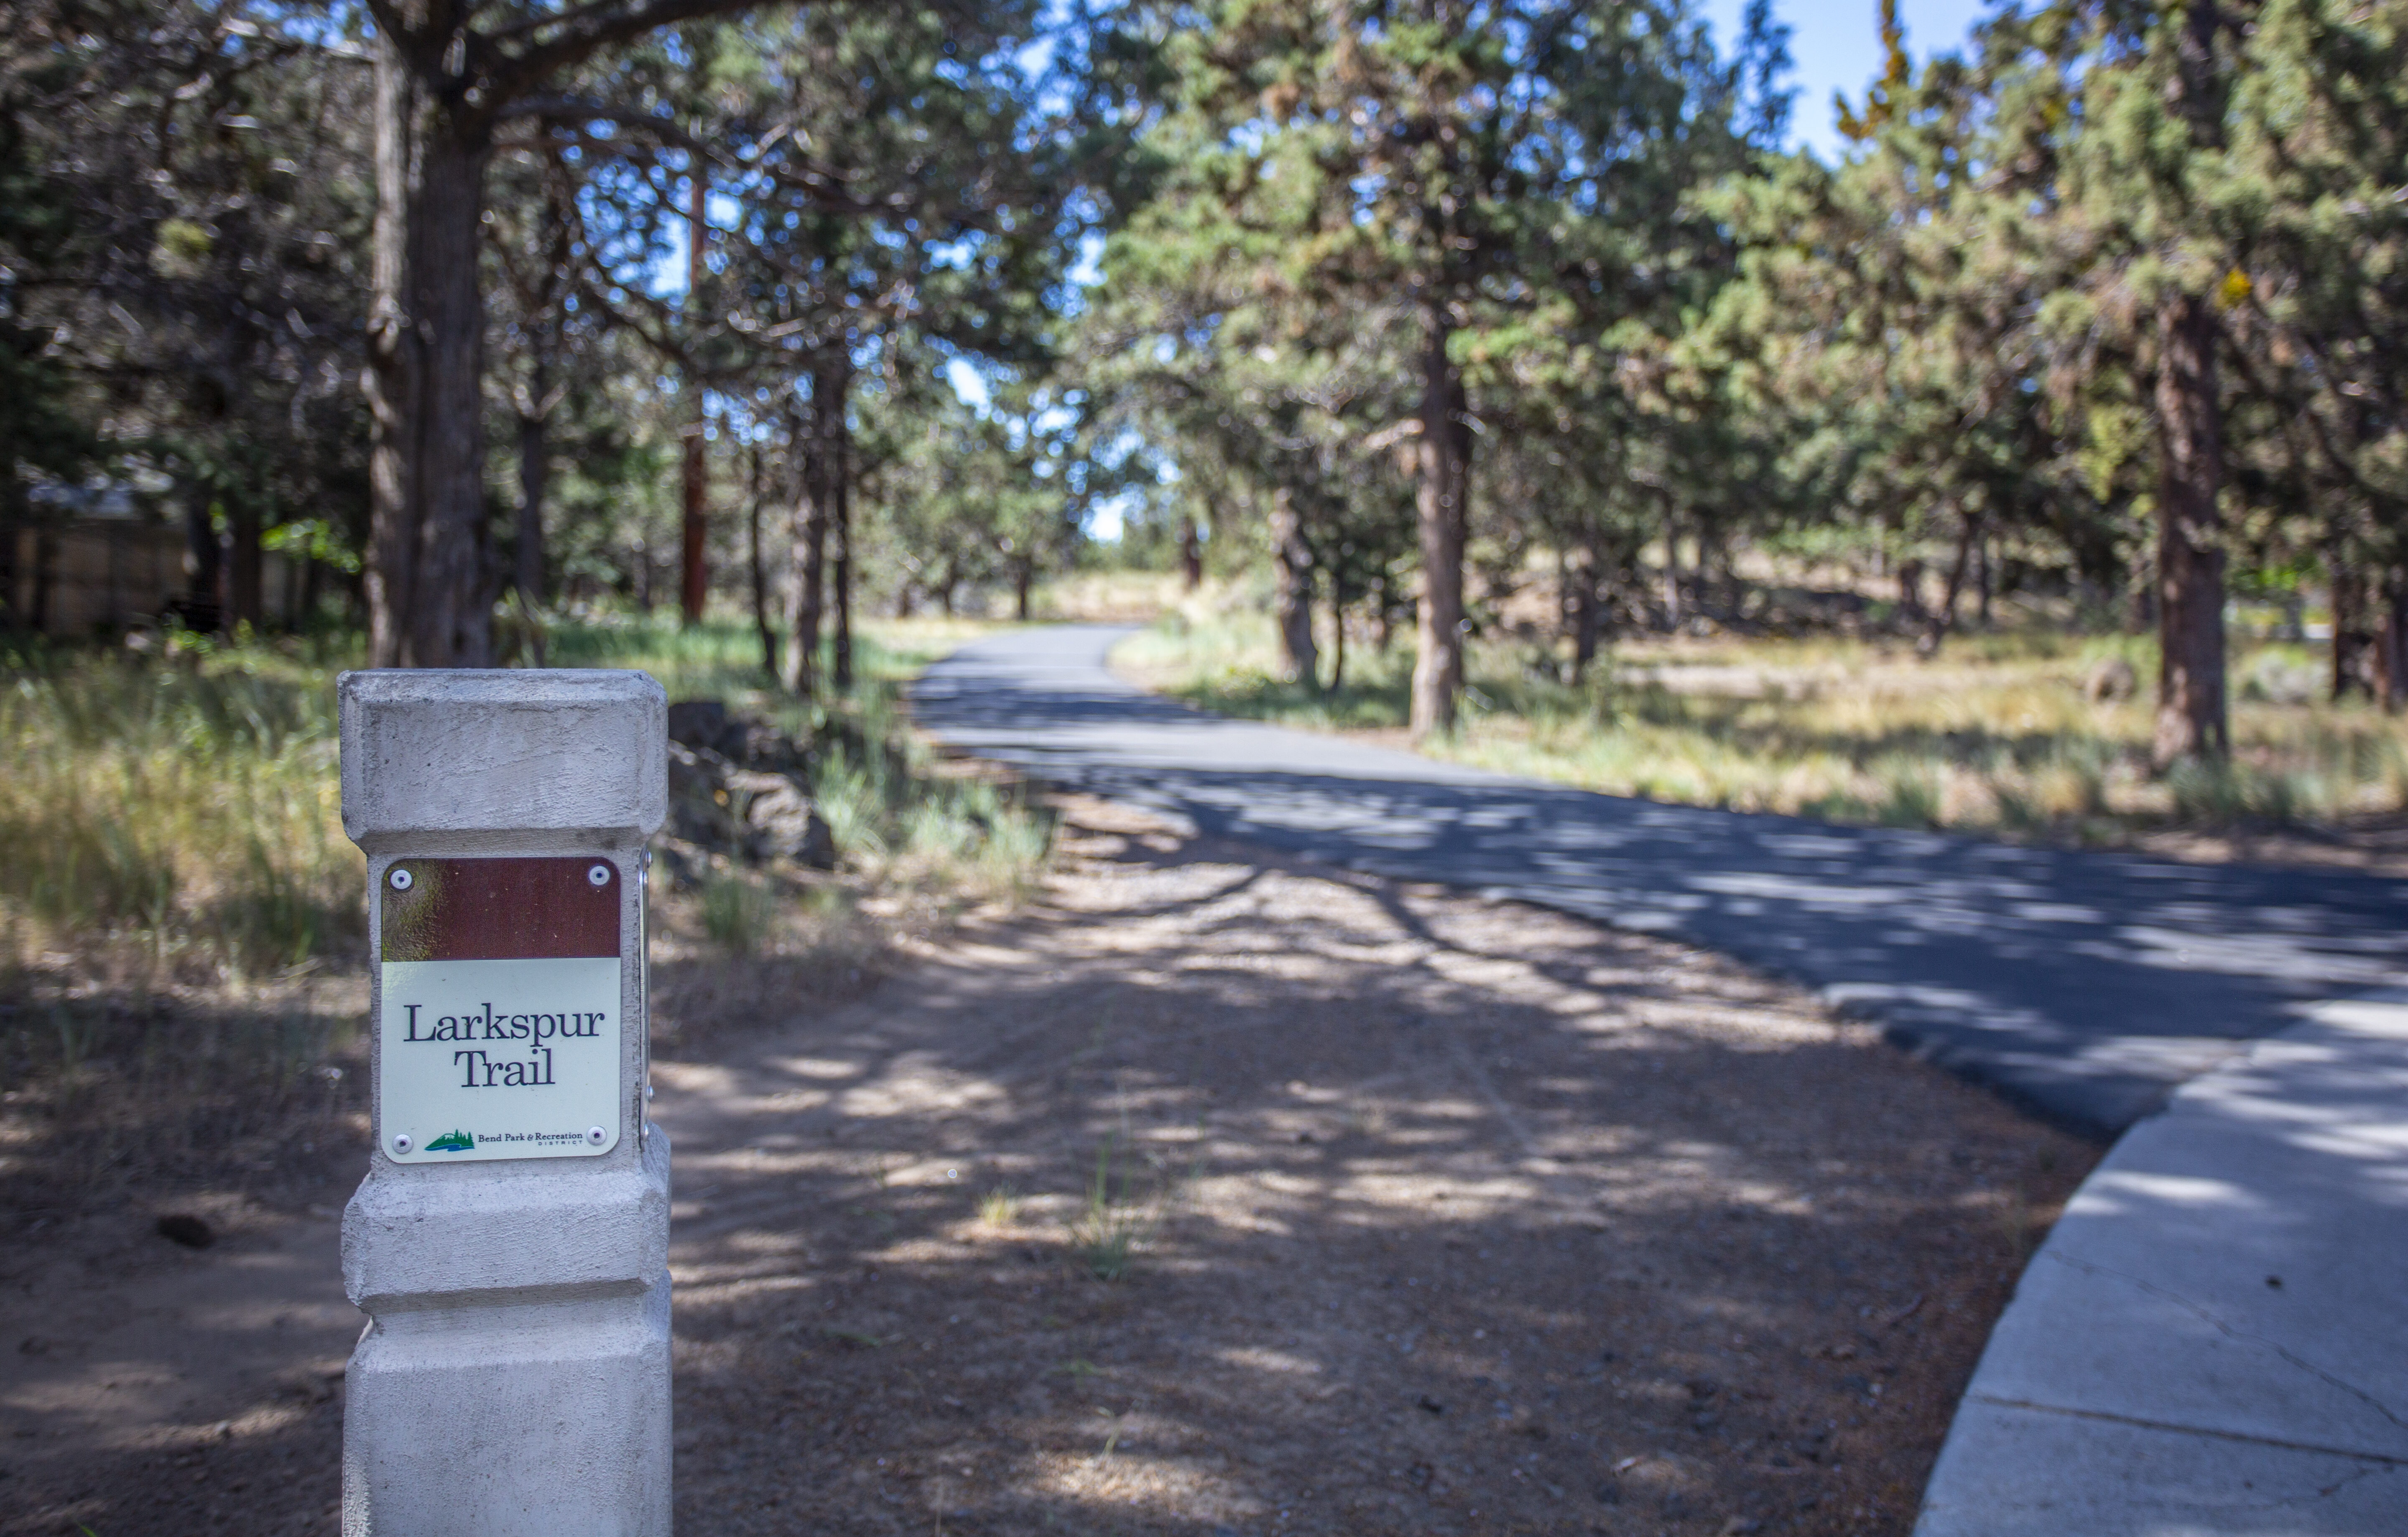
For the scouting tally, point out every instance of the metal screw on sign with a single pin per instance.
(401, 1142)
(400, 879)
(599, 876)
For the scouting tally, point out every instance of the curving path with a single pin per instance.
(2086, 985)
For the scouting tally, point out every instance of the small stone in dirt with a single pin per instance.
(1432, 1405)
(1738, 1525)
(2110, 680)
(185, 1228)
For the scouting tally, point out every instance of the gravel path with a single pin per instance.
(1445, 1215)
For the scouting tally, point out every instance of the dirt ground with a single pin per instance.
(1422, 1214)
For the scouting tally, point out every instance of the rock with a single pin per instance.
(189, 1230)
(781, 820)
(737, 786)
(701, 809)
(745, 740)
(2110, 680)
(699, 723)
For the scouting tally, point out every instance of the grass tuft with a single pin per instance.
(1995, 734)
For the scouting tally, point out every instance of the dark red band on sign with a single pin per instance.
(500, 909)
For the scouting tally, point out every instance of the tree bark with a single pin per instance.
(1440, 508)
(1337, 596)
(534, 478)
(810, 527)
(1584, 606)
(2390, 643)
(840, 663)
(1944, 618)
(1985, 582)
(2351, 643)
(693, 582)
(246, 601)
(426, 339)
(2191, 720)
(1191, 554)
(204, 604)
(1292, 590)
(760, 572)
(1671, 570)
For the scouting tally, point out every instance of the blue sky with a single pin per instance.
(1837, 46)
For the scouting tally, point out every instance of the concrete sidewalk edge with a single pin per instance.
(2212, 1340)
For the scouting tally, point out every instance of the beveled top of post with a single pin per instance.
(559, 750)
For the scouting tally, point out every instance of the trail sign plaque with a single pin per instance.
(499, 1013)
(509, 1240)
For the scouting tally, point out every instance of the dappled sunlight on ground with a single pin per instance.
(1431, 1214)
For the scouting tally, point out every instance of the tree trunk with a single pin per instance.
(2392, 643)
(1190, 553)
(1944, 618)
(803, 593)
(760, 572)
(425, 587)
(1586, 608)
(840, 665)
(534, 477)
(1023, 577)
(1337, 629)
(2191, 539)
(1985, 582)
(693, 580)
(1671, 571)
(1439, 512)
(1292, 591)
(1910, 591)
(46, 571)
(2351, 643)
(246, 600)
(203, 606)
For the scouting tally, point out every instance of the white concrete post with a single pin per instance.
(511, 1241)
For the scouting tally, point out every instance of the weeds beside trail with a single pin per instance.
(181, 933)
(1997, 734)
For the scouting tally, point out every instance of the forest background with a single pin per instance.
(1396, 303)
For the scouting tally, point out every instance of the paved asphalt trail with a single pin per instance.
(2086, 985)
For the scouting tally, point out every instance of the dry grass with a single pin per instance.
(1995, 735)
(181, 979)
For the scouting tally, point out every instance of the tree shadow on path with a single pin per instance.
(1441, 1216)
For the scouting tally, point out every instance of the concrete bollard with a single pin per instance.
(511, 1241)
